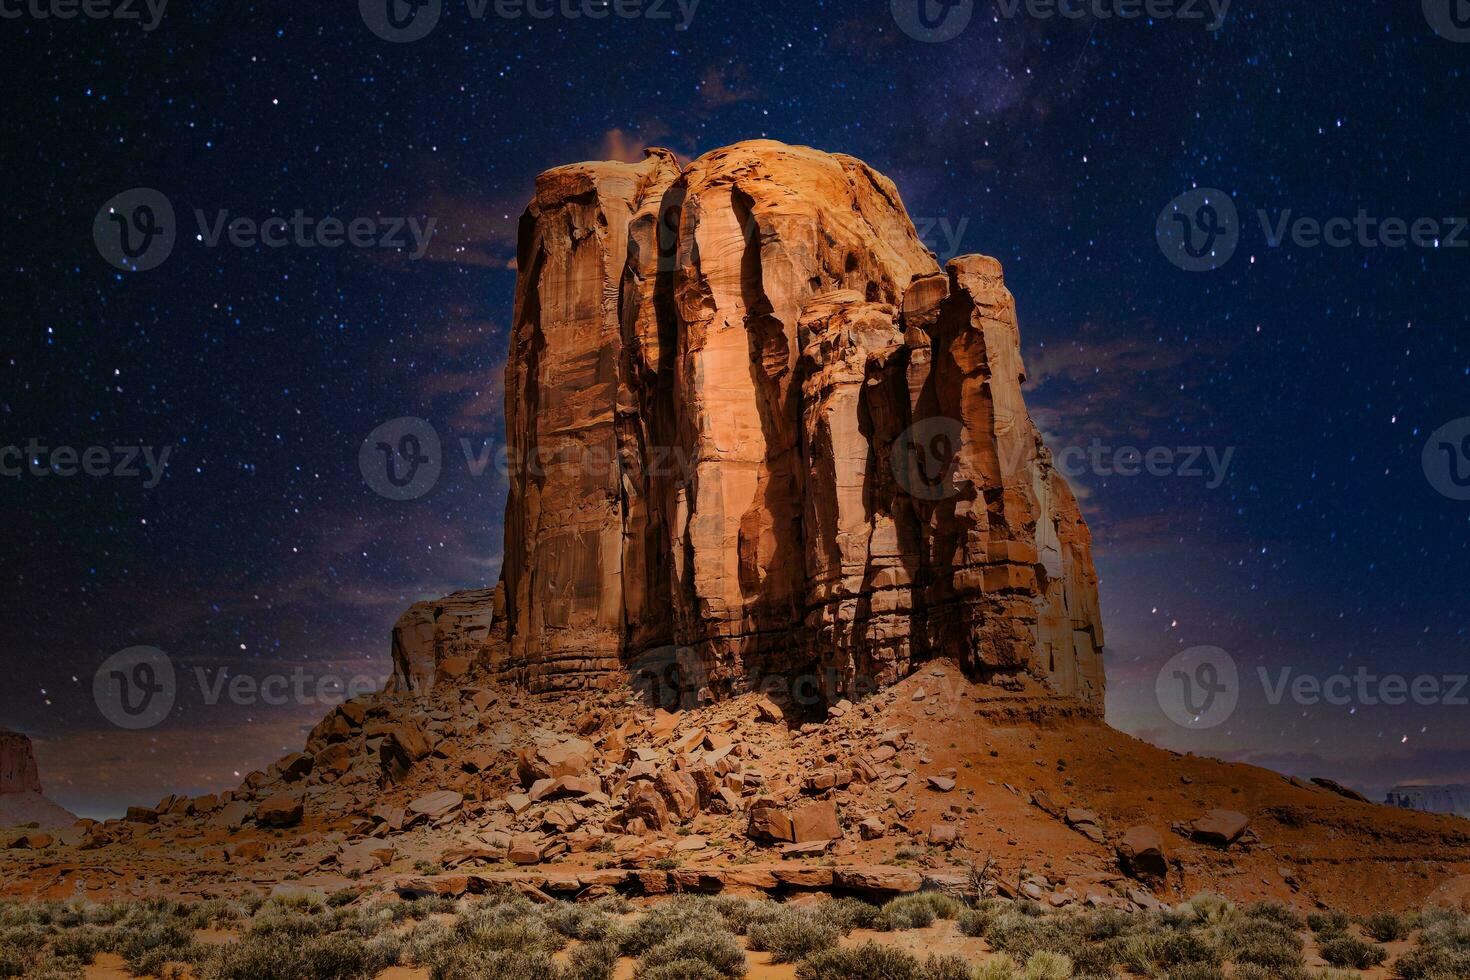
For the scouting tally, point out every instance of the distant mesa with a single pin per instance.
(21, 802)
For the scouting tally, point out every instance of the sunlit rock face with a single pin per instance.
(756, 431)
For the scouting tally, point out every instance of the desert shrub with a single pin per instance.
(1099, 959)
(1328, 923)
(866, 962)
(1352, 952)
(278, 956)
(1386, 927)
(793, 936)
(30, 937)
(1197, 971)
(1432, 963)
(717, 948)
(1208, 910)
(682, 970)
(947, 968)
(583, 922)
(469, 962)
(999, 968)
(1253, 971)
(1047, 966)
(848, 914)
(81, 943)
(591, 961)
(681, 914)
(147, 948)
(1105, 924)
(1155, 953)
(974, 922)
(286, 923)
(1023, 936)
(509, 924)
(428, 943)
(1264, 943)
(919, 910)
(14, 960)
(1276, 912)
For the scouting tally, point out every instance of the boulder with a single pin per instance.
(768, 822)
(1141, 853)
(437, 804)
(403, 745)
(1220, 827)
(815, 822)
(280, 810)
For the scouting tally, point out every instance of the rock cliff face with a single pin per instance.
(757, 432)
(17, 764)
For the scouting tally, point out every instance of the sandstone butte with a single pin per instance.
(757, 432)
(759, 435)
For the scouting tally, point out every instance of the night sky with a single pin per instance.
(1053, 144)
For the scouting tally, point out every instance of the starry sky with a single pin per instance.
(1053, 144)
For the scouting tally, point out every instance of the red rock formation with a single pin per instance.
(456, 627)
(17, 764)
(757, 431)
